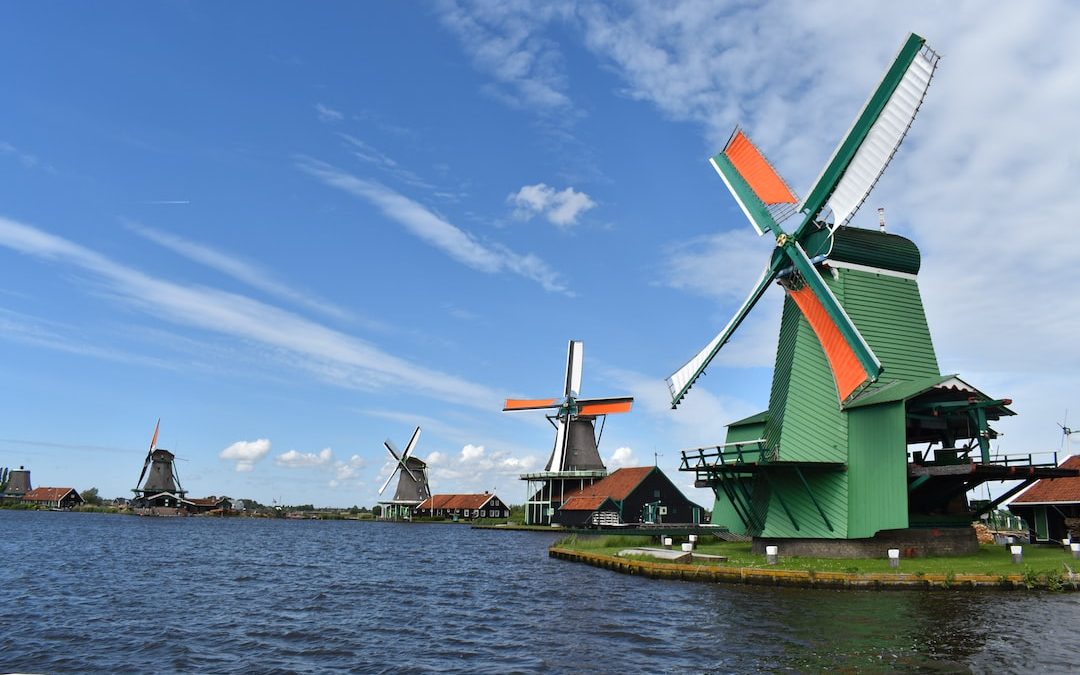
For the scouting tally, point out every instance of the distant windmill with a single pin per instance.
(1066, 435)
(575, 436)
(162, 484)
(575, 461)
(412, 488)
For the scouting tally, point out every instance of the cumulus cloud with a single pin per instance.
(476, 468)
(622, 457)
(246, 453)
(560, 207)
(294, 459)
(472, 452)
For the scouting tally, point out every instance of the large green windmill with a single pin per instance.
(856, 385)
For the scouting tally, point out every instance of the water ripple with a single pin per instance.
(105, 594)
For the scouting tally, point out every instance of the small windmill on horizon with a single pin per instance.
(412, 488)
(161, 489)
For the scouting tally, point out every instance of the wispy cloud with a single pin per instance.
(366, 152)
(38, 332)
(506, 41)
(560, 207)
(328, 114)
(436, 231)
(27, 159)
(329, 354)
(239, 269)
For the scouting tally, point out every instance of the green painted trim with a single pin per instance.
(745, 194)
(820, 193)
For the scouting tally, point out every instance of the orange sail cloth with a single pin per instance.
(848, 372)
(605, 408)
(529, 404)
(756, 171)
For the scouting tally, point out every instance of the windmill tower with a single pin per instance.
(856, 384)
(161, 489)
(575, 460)
(14, 483)
(412, 488)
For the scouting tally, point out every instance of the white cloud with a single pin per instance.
(472, 452)
(246, 453)
(436, 231)
(349, 470)
(329, 354)
(294, 459)
(475, 468)
(328, 114)
(622, 457)
(561, 208)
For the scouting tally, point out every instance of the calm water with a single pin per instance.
(88, 593)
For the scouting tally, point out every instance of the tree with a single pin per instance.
(91, 497)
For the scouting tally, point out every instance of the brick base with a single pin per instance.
(912, 542)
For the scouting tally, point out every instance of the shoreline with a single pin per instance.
(809, 578)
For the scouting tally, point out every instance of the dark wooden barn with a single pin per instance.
(53, 497)
(1051, 506)
(642, 494)
(463, 507)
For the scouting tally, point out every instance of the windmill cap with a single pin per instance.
(873, 248)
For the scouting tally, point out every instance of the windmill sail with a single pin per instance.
(681, 380)
(853, 363)
(870, 143)
(759, 190)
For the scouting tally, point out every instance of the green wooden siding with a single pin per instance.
(889, 313)
(877, 468)
(812, 427)
(750, 429)
(830, 489)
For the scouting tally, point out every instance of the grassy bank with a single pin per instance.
(1043, 566)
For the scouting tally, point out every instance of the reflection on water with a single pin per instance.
(99, 593)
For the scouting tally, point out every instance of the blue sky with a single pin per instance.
(291, 231)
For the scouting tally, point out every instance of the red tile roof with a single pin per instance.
(618, 485)
(580, 503)
(1049, 490)
(452, 502)
(47, 494)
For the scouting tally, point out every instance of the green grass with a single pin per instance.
(1039, 561)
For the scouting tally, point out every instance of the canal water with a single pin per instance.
(94, 593)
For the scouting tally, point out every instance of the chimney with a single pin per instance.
(881, 219)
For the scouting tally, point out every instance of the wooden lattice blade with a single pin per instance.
(681, 380)
(870, 143)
